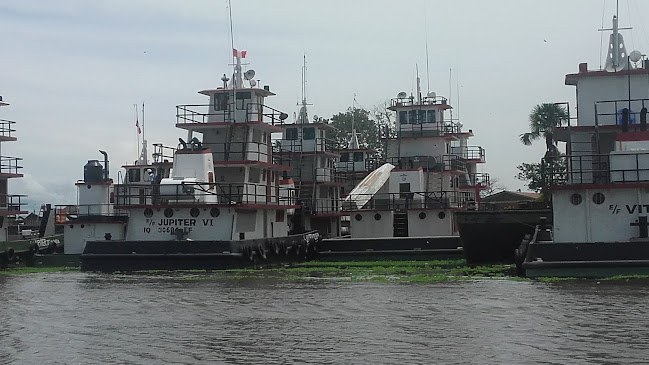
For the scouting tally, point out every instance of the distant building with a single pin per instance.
(513, 200)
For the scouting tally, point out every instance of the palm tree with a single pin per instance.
(543, 118)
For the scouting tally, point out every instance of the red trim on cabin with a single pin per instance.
(331, 154)
(324, 215)
(260, 163)
(6, 175)
(328, 183)
(206, 205)
(6, 138)
(198, 126)
(600, 186)
(286, 181)
(571, 79)
(109, 182)
(632, 136)
(420, 106)
(194, 152)
(5, 213)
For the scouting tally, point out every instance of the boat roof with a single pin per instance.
(262, 92)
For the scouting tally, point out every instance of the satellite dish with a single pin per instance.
(248, 75)
(635, 56)
(432, 95)
(253, 83)
(315, 117)
(402, 95)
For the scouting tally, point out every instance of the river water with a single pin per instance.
(82, 318)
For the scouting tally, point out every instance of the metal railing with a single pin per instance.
(429, 163)
(409, 200)
(620, 112)
(12, 202)
(196, 193)
(469, 152)
(66, 213)
(412, 101)
(9, 165)
(479, 179)
(322, 206)
(163, 153)
(307, 145)
(427, 129)
(615, 168)
(254, 112)
(369, 165)
(6, 128)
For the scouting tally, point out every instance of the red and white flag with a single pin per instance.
(237, 53)
(137, 124)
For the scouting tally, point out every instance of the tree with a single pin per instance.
(540, 175)
(367, 128)
(542, 120)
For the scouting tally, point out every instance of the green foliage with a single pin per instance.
(543, 118)
(542, 175)
(367, 128)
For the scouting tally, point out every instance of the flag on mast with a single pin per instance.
(137, 124)
(237, 53)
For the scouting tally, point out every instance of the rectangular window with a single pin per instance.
(432, 117)
(134, 175)
(279, 216)
(358, 156)
(344, 157)
(221, 101)
(403, 117)
(421, 117)
(308, 133)
(242, 99)
(412, 117)
(404, 190)
(291, 133)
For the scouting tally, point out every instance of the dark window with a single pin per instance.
(598, 198)
(403, 117)
(221, 101)
(291, 133)
(412, 117)
(432, 117)
(308, 133)
(133, 175)
(422, 215)
(242, 97)
(358, 156)
(279, 216)
(441, 215)
(575, 199)
(344, 157)
(377, 216)
(358, 217)
(422, 117)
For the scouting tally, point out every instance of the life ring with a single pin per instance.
(262, 252)
(11, 254)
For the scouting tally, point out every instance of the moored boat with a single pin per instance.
(599, 188)
(210, 203)
(406, 207)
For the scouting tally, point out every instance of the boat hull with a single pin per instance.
(111, 256)
(392, 248)
(493, 236)
(586, 260)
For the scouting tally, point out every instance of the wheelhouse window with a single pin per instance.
(221, 101)
(421, 117)
(432, 117)
(242, 97)
(412, 117)
(133, 175)
(344, 157)
(291, 133)
(403, 117)
(358, 156)
(308, 133)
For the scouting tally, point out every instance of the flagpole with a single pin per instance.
(137, 127)
(143, 139)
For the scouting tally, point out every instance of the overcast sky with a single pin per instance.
(72, 69)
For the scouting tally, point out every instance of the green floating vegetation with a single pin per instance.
(35, 270)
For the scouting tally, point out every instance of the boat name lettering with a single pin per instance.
(186, 222)
(640, 208)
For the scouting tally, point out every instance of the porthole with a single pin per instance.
(83, 226)
(575, 199)
(441, 215)
(89, 187)
(422, 215)
(148, 212)
(194, 212)
(598, 198)
(215, 212)
(377, 216)
(169, 213)
(358, 217)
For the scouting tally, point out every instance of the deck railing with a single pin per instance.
(204, 113)
(9, 165)
(409, 200)
(6, 128)
(618, 167)
(429, 163)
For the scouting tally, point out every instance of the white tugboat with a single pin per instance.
(406, 206)
(307, 150)
(599, 189)
(219, 204)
